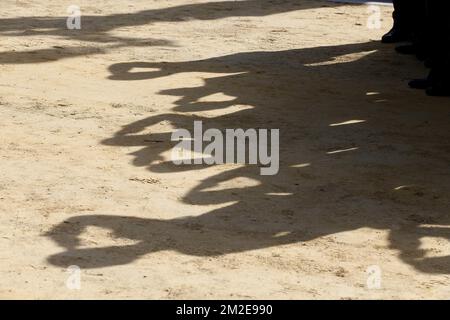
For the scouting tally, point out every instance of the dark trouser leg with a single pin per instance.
(419, 28)
(436, 40)
(401, 15)
(403, 18)
(439, 41)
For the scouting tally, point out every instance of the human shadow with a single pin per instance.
(356, 151)
(57, 53)
(97, 29)
(98, 24)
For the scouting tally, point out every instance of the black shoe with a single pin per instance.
(394, 36)
(406, 49)
(412, 49)
(428, 63)
(438, 91)
(422, 55)
(421, 84)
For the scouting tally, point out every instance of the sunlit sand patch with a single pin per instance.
(216, 97)
(185, 155)
(282, 234)
(143, 69)
(280, 194)
(94, 236)
(342, 150)
(234, 108)
(346, 58)
(404, 187)
(301, 165)
(435, 247)
(346, 123)
(235, 183)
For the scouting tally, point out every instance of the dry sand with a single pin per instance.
(86, 177)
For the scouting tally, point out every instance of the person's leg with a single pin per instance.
(416, 22)
(440, 48)
(419, 27)
(437, 42)
(423, 42)
(401, 31)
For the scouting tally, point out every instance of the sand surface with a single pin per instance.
(86, 177)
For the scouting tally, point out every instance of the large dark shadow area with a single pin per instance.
(358, 150)
(98, 24)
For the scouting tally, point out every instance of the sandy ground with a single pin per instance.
(86, 177)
